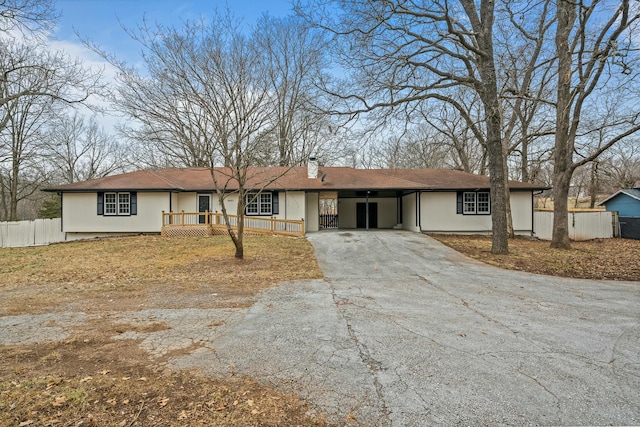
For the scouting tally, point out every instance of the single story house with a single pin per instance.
(627, 203)
(421, 200)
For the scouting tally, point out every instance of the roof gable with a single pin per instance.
(633, 193)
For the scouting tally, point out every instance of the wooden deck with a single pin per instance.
(212, 223)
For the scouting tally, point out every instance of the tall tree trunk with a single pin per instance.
(283, 158)
(497, 180)
(507, 194)
(563, 150)
(237, 236)
(488, 90)
(561, 185)
(4, 207)
(594, 184)
(524, 158)
(13, 192)
(238, 241)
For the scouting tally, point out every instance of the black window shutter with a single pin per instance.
(459, 207)
(133, 199)
(275, 203)
(100, 203)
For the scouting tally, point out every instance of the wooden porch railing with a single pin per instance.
(208, 223)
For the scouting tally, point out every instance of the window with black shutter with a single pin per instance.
(117, 204)
(473, 203)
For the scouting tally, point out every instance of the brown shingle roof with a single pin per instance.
(448, 179)
(281, 178)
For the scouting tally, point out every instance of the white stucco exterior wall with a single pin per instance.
(292, 205)
(409, 215)
(346, 213)
(438, 214)
(186, 202)
(312, 210)
(175, 202)
(387, 212)
(79, 214)
(522, 212)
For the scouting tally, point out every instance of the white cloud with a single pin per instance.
(95, 63)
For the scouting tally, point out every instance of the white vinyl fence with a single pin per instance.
(30, 233)
(582, 225)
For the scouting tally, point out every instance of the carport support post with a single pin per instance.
(367, 212)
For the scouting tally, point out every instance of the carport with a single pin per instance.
(364, 209)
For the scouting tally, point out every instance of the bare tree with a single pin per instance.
(20, 153)
(32, 82)
(82, 150)
(31, 15)
(463, 137)
(293, 56)
(444, 140)
(168, 127)
(403, 53)
(596, 79)
(525, 72)
(621, 166)
(205, 97)
(594, 183)
(526, 76)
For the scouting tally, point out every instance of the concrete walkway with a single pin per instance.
(404, 331)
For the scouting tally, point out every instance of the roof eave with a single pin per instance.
(616, 194)
(109, 190)
(327, 188)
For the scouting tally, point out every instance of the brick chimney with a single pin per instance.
(312, 168)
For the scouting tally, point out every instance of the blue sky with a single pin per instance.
(101, 20)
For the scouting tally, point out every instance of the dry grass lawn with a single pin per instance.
(91, 379)
(122, 273)
(601, 259)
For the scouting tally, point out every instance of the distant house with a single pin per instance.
(627, 203)
(429, 200)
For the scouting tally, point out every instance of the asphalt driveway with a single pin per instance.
(404, 331)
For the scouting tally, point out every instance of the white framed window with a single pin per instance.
(265, 203)
(483, 205)
(251, 204)
(124, 205)
(118, 204)
(259, 204)
(469, 202)
(473, 203)
(111, 203)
